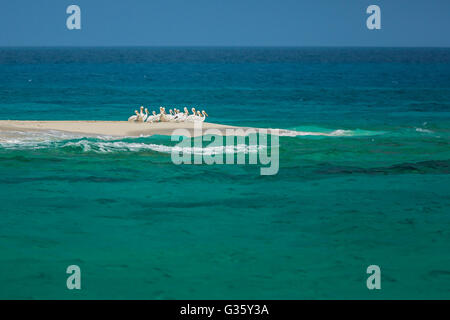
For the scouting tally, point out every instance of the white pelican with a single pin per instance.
(153, 118)
(181, 116)
(204, 115)
(201, 116)
(145, 115)
(162, 115)
(141, 115)
(177, 113)
(193, 116)
(171, 116)
(135, 117)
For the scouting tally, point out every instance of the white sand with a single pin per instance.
(110, 128)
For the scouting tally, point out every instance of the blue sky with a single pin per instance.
(225, 23)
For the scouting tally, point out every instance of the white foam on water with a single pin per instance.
(424, 130)
(106, 144)
(41, 139)
(19, 140)
(121, 146)
(335, 133)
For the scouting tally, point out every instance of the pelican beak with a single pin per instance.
(206, 114)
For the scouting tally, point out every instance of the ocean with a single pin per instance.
(375, 192)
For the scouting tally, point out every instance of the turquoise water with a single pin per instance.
(140, 227)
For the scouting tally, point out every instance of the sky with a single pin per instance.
(225, 23)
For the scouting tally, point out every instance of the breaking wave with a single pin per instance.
(121, 146)
(53, 139)
(18, 140)
(317, 131)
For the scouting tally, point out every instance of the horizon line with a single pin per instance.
(216, 46)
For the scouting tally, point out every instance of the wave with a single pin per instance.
(23, 137)
(53, 139)
(294, 133)
(424, 130)
(313, 131)
(120, 146)
(19, 140)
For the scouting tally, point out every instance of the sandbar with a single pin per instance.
(109, 128)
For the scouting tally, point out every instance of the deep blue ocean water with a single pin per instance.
(141, 227)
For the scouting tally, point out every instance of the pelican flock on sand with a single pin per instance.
(174, 115)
